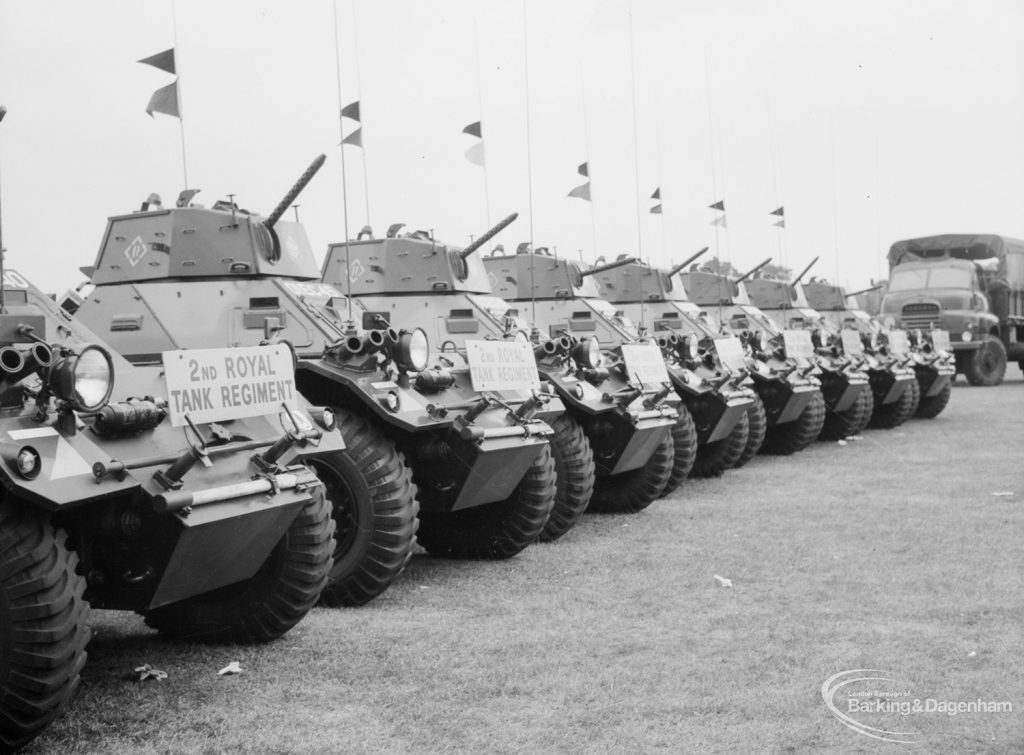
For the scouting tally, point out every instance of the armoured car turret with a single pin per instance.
(191, 277)
(712, 392)
(794, 406)
(928, 351)
(845, 388)
(121, 493)
(606, 424)
(563, 301)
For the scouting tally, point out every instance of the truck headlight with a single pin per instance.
(84, 379)
(967, 336)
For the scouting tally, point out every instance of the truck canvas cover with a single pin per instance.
(1007, 251)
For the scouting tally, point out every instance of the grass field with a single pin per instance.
(890, 552)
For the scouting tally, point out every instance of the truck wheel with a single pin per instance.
(790, 437)
(869, 409)
(757, 426)
(273, 600)
(373, 500)
(495, 530)
(43, 624)
(684, 450)
(574, 477)
(932, 406)
(839, 425)
(635, 490)
(888, 416)
(987, 365)
(719, 455)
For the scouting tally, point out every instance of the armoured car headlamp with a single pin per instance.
(324, 417)
(690, 347)
(84, 379)
(24, 460)
(522, 336)
(761, 341)
(588, 353)
(412, 351)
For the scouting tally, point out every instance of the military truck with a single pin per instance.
(971, 285)
(793, 404)
(421, 440)
(600, 441)
(928, 350)
(843, 386)
(185, 498)
(712, 393)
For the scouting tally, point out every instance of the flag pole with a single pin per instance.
(178, 88)
(359, 97)
(529, 166)
(714, 181)
(636, 156)
(586, 144)
(480, 109)
(344, 182)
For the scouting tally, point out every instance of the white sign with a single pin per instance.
(940, 340)
(730, 351)
(798, 344)
(211, 385)
(898, 342)
(852, 345)
(502, 365)
(644, 362)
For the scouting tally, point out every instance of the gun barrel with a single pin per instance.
(863, 291)
(751, 271)
(692, 258)
(488, 236)
(804, 272)
(304, 179)
(610, 266)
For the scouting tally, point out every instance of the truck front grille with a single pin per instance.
(924, 316)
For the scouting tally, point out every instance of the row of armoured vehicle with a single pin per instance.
(283, 434)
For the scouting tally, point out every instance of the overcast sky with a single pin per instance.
(869, 121)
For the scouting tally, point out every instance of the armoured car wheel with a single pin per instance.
(273, 600)
(894, 414)
(43, 624)
(684, 450)
(716, 457)
(987, 365)
(635, 490)
(757, 426)
(915, 397)
(574, 477)
(494, 530)
(373, 500)
(839, 425)
(869, 409)
(931, 407)
(790, 437)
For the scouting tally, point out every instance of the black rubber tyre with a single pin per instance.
(495, 530)
(716, 457)
(757, 427)
(574, 477)
(931, 407)
(840, 425)
(635, 490)
(986, 365)
(273, 600)
(790, 437)
(869, 410)
(888, 416)
(43, 624)
(915, 397)
(373, 503)
(684, 450)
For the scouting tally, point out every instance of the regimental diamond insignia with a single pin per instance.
(136, 251)
(355, 270)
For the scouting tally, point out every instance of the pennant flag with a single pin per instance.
(656, 194)
(164, 100)
(475, 154)
(351, 110)
(583, 170)
(656, 210)
(780, 224)
(719, 221)
(355, 138)
(162, 60)
(781, 212)
(719, 205)
(582, 191)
